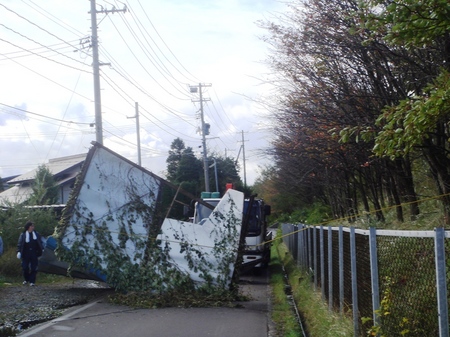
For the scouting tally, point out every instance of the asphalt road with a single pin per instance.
(102, 319)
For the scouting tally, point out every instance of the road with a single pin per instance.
(102, 319)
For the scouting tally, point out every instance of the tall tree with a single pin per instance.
(227, 172)
(183, 169)
(176, 151)
(420, 121)
(45, 188)
(333, 79)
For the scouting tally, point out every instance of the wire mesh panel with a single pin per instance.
(407, 286)
(406, 269)
(363, 277)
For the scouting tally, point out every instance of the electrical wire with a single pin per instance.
(196, 80)
(44, 57)
(37, 50)
(155, 60)
(161, 122)
(54, 18)
(35, 25)
(43, 116)
(143, 67)
(166, 108)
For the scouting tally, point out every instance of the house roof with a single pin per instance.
(15, 195)
(57, 167)
(64, 169)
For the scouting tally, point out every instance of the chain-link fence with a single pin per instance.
(393, 283)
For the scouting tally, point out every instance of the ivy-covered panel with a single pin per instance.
(111, 219)
(207, 251)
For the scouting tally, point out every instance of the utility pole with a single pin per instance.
(215, 174)
(243, 158)
(96, 69)
(136, 105)
(195, 89)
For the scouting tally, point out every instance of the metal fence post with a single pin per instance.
(305, 247)
(330, 269)
(292, 241)
(315, 256)
(354, 281)
(308, 248)
(341, 270)
(322, 263)
(299, 245)
(441, 282)
(294, 238)
(374, 273)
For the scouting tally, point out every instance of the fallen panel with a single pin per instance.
(207, 251)
(108, 220)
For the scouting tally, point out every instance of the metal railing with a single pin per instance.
(391, 282)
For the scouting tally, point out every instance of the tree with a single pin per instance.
(227, 172)
(419, 122)
(45, 188)
(186, 170)
(334, 79)
(173, 160)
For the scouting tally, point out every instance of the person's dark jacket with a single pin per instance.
(21, 243)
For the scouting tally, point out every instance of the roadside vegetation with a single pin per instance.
(12, 221)
(283, 314)
(317, 320)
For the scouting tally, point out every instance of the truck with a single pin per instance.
(256, 254)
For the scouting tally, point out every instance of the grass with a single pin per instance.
(317, 319)
(286, 323)
(11, 272)
(431, 216)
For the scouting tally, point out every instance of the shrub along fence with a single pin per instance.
(393, 283)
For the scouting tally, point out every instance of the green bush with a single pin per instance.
(13, 219)
(312, 215)
(10, 268)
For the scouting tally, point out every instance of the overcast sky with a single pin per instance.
(151, 54)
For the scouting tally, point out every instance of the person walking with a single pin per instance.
(29, 248)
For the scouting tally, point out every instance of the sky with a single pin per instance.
(151, 55)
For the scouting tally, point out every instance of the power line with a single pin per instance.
(41, 50)
(35, 25)
(155, 60)
(145, 68)
(54, 18)
(165, 44)
(44, 57)
(44, 116)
